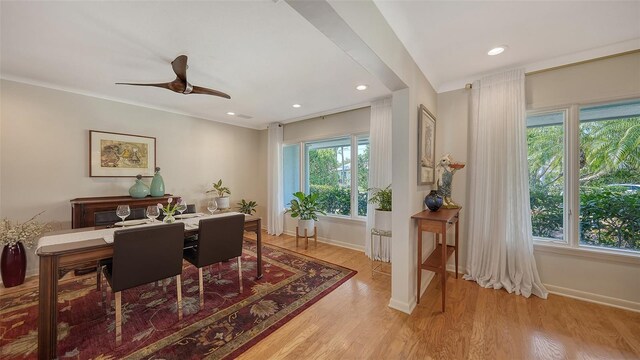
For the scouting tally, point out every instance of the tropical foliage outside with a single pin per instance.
(330, 178)
(609, 167)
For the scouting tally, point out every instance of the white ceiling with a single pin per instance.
(264, 54)
(449, 40)
(268, 57)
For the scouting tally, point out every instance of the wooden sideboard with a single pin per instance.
(83, 209)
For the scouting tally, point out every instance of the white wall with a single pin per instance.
(364, 18)
(610, 279)
(343, 232)
(44, 153)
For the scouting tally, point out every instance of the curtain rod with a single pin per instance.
(470, 86)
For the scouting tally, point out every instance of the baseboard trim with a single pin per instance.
(594, 298)
(578, 294)
(332, 242)
(402, 306)
(29, 273)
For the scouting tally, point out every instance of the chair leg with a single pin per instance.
(240, 273)
(179, 290)
(200, 284)
(103, 292)
(118, 318)
(98, 276)
(297, 236)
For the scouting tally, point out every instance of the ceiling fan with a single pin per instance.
(180, 84)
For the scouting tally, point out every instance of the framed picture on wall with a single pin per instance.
(121, 155)
(426, 147)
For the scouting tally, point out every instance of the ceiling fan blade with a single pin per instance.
(205, 91)
(180, 67)
(160, 85)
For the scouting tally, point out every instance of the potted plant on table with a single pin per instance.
(223, 193)
(14, 236)
(247, 207)
(382, 199)
(305, 207)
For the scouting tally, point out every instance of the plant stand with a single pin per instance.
(379, 266)
(306, 237)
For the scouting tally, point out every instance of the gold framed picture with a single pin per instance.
(426, 147)
(121, 155)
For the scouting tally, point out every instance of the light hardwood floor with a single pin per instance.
(354, 322)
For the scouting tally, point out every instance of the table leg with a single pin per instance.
(444, 262)
(47, 308)
(456, 248)
(419, 259)
(259, 251)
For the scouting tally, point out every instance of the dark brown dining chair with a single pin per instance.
(219, 239)
(144, 255)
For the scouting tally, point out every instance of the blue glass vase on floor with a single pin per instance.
(433, 201)
(157, 184)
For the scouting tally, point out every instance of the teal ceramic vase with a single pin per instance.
(157, 184)
(139, 189)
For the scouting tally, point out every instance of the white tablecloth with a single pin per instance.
(107, 234)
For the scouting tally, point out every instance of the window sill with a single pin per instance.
(345, 219)
(600, 254)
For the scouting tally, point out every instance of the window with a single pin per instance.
(609, 175)
(545, 141)
(586, 158)
(290, 171)
(335, 169)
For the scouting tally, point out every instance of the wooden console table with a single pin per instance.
(437, 222)
(83, 209)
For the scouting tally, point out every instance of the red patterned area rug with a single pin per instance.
(227, 325)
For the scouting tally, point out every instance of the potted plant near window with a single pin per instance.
(247, 207)
(305, 207)
(382, 199)
(223, 193)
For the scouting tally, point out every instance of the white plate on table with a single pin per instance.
(188, 216)
(131, 222)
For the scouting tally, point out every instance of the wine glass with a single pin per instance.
(181, 206)
(153, 212)
(123, 212)
(212, 206)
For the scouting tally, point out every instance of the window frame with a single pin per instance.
(566, 198)
(304, 163)
(571, 187)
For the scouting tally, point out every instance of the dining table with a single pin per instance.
(66, 250)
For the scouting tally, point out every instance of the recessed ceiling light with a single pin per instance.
(361, 87)
(231, 113)
(497, 50)
(296, 105)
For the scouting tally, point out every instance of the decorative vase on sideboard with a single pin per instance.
(139, 190)
(433, 201)
(13, 265)
(157, 184)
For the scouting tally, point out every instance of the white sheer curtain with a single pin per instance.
(379, 170)
(275, 206)
(500, 237)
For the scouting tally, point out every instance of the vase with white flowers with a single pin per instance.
(14, 236)
(169, 210)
